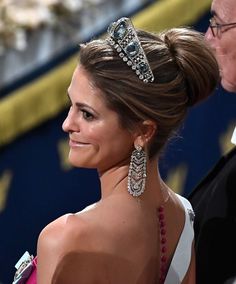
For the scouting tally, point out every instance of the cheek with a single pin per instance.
(226, 46)
(226, 60)
(108, 140)
(234, 56)
(92, 133)
(100, 133)
(118, 143)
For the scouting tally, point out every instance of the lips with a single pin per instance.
(74, 143)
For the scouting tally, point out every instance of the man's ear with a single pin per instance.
(147, 130)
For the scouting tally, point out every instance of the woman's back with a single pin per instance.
(114, 241)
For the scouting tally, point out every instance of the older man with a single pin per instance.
(214, 199)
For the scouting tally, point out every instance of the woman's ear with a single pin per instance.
(147, 130)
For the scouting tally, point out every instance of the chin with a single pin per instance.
(79, 162)
(228, 86)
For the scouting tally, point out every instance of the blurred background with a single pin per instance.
(38, 52)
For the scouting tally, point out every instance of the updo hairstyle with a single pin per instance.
(185, 71)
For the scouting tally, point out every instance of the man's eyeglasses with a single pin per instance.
(216, 28)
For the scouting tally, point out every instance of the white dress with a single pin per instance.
(182, 256)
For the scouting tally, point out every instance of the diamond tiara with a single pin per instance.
(126, 42)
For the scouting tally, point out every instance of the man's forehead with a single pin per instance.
(224, 9)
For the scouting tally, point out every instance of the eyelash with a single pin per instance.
(87, 115)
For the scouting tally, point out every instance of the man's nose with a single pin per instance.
(209, 36)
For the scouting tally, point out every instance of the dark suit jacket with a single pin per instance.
(214, 203)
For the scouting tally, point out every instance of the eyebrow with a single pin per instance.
(82, 105)
(214, 14)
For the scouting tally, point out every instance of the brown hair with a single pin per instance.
(185, 72)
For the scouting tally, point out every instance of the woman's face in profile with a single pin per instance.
(97, 139)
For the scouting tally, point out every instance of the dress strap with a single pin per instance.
(182, 256)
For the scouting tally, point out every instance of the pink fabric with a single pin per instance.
(32, 279)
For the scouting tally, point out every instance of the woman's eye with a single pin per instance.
(87, 115)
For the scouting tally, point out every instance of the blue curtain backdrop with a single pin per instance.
(40, 186)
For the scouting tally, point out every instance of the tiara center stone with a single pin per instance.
(132, 49)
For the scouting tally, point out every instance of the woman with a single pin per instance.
(129, 94)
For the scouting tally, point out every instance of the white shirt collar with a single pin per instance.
(233, 139)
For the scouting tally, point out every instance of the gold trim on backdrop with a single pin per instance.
(225, 138)
(171, 13)
(35, 103)
(63, 152)
(5, 181)
(45, 98)
(176, 178)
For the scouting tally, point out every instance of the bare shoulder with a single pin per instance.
(65, 232)
(72, 244)
(83, 228)
(66, 235)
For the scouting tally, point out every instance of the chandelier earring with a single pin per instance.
(137, 172)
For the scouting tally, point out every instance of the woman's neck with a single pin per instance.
(115, 181)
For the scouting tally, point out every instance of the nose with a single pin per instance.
(209, 37)
(69, 124)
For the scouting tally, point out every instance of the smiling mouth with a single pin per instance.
(73, 143)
